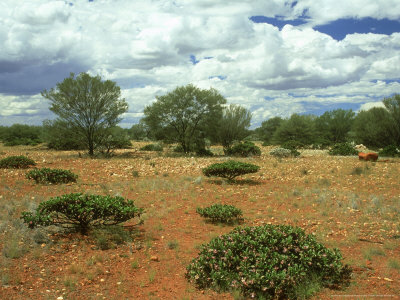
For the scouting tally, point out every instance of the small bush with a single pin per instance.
(244, 149)
(292, 145)
(390, 151)
(230, 169)
(221, 213)
(280, 152)
(152, 147)
(343, 149)
(82, 212)
(16, 162)
(54, 176)
(204, 152)
(269, 261)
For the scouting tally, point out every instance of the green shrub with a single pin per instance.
(390, 151)
(21, 134)
(280, 152)
(221, 213)
(54, 176)
(230, 169)
(269, 261)
(204, 152)
(16, 162)
(152, 147)
(244, 149)
(344, 149)
(82, 211)
(293, 146)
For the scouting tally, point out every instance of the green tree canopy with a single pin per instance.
(88, 104)
(21, 134)
(234, 124)
(184, 115)
(268, 128)
(299, 128)
(392, 104)
(335, 125)
(372, 127)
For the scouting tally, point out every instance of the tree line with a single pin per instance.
(89, 110)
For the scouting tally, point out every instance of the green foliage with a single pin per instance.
(139, 132)
(268, 129)
(343, 149)
(300, 128)
(16, 162)
(53, 176)
(373, 128)
(392, 105)
(89, 105)
(152, 147)
(184, 115)
(60, 135)
(269, 261)
(281, 152)
(230, 169)
(335, 125)
(293, 146)
(111, 139)
(234, 125)
(19, 134)
(82, 211)
(244, 149)
(204, 152)
(390, 151)
(221, 213)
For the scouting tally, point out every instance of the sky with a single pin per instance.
(275, 57)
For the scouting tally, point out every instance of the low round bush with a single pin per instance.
(82, 212)
(230, 169)
(244, 149)
(280, 152)
(221, 213)
(54, 176)
(343, 149)
(16, 162)
(390, 151)
(269, 261)
(152, 147)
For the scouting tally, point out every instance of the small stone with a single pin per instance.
(60, 298)
(154, 258)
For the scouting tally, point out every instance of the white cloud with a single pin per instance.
(145, 47)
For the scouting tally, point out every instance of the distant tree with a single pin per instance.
(138, 132)
(374, 128)
(88, 104)
(392, 105)
(268, 128)
(184, 115)
(61, 135)
(335, 125)
(21, 134)
(299, 128)
(234, 125)
(114, 138)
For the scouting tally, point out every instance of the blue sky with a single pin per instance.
(275, 58)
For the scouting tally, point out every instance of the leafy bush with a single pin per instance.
(20, 134)
(54, 176)
(230, 169)
(82, 211)
(293, 146)
(244, 149)
(204, 152)
(221, 213)
(152, 147)
(390, 151)
(280, 152)
(344, 149)
(16, 162)
(269, 261)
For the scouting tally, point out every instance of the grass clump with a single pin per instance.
(280, 152)
(109, 237)
(16, 162)
(343, 149)
(269, 261)
(53, 176)
(390, 151)
(221, 213)
(82, 212)
(230, 169)
(152, 147)
(244, 149)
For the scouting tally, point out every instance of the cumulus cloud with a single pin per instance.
(145, 46)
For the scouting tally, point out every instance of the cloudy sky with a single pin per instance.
(275, 57)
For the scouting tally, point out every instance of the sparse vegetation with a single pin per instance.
(221, 213)
(152, 147)
(230, 169)
(343, 149)
(244, 149)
